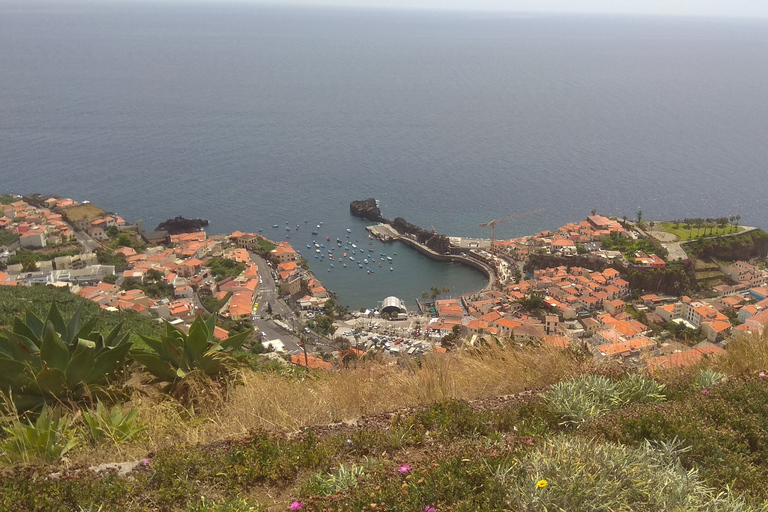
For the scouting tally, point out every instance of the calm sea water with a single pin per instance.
(252, 116)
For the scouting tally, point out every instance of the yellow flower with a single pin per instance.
(541, 484)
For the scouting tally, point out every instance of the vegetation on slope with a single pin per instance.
(14, 301)
(447, 432)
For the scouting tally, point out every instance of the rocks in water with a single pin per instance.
(182, 225)
(367, 209)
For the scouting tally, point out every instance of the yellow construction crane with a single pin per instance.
(505, 219)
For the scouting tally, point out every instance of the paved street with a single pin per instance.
(88, 243)
(266, 293)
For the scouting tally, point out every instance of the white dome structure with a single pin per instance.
(393, 304)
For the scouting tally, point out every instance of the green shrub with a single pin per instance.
(178, 358)
(572, 473)
(54, 361)
(725, 429)
(707, 379)
(227, 505)
(590, 396)
(48, 439)
(345, 478)
(111, 425)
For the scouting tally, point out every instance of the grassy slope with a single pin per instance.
(485, 456)
(482, 455)
(14, 301)
(688, 234)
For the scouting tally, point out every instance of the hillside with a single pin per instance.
(15, 300)
(502, 428)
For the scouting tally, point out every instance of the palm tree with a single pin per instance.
(639, 216)
(738, 218)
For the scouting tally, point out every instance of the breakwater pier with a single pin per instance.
(386, 233)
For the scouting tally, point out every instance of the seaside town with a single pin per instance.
(584, 286)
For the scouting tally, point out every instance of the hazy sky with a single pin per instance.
(747, 8)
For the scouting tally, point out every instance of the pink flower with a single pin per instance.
(704, 392)
(145, 461)
(526, 440)
(404, 469)
(762, 375)
(296, 505)
(427, 508)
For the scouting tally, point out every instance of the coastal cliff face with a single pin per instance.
(182, 225)
(367, 209)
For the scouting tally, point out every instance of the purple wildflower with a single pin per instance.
(427, 508)
(762, 375)
(526, 440)
(404, 469)
(704, 392)
(145, 461)
(296, 505)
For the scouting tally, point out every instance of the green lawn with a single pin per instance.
(690, 234)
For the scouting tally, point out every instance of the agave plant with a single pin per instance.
(177, 354)
(55, 361)
(111, 424)
(48, 438)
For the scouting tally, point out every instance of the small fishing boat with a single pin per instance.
(349, 230)
(274, 225)
(391, 269)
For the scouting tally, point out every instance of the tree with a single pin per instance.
(425, 295)
(269, 308)
(153, 275)
(534, 300)
(594, 212)
(115, 259)
(446, 290)
(330, 307)
(639, 216)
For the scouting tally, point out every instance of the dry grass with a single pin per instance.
(747, 353)
(272, 401)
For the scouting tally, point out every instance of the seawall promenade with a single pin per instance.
(387, 233)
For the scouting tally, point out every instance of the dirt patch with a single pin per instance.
(663, 236)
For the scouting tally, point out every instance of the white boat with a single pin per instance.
(354, 246)
(389, 258)
(349, 230)
(365, 261)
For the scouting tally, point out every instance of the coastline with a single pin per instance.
(392, 235)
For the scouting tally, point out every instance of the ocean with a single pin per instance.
(251, 116)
